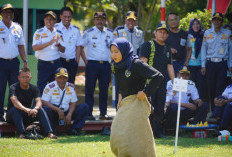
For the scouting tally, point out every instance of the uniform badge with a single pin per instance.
(167, 54)
(210, 36)
(2, 31)
(221, 51)
(124, 34)
(138, 34)
(127, 73)
(204, 38)
(46, 90)
(223, 36)
(37, 36)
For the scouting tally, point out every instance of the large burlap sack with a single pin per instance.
(131, 133)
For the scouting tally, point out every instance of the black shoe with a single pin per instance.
(38, 136)
(91, 118)
(30, 135)
(106, 131)
(105, 117)
(77, 132)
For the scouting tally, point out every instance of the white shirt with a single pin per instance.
(228, 92)
(53, 94)
(42, 36)
(185, 96)
(71, 38)
(98, 43)
(10, 39)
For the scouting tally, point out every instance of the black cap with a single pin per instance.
(61, 72)
(7, 6)
(217, 15)
(162, 26)
(100, 14)
(131, 15)
(51, 13)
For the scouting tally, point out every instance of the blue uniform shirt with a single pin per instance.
(71, 38)
(98, 43)
(216, 45)
(228, 92)
(135, 36)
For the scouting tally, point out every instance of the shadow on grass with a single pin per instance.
(81, 139)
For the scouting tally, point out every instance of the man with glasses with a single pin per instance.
(215, 52)
(11, 45)
(177, 40)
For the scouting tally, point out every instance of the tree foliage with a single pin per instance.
(203, 16)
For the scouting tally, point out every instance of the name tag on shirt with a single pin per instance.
(182, 42)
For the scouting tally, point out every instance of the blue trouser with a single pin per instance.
(177, 65)
(199, 80)
(9, 70)
(19, 117)
(46, 72)
(225, 113)
(158, 102)
(72, 66)
(79, 116)
(216, 73)
(102, 72)
(171, 114)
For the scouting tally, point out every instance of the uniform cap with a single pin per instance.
(131, 15)
(51, 13)
(7, 6)
(184, 70)
(217, 15)
(100, 14)
(162, 26)
(61, 72)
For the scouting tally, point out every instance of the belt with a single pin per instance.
(52, 62)
(94, 61)
(67, 60)
(9, 59)
(216, 59)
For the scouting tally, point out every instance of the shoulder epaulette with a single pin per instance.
(108, 29)
(75, 27)
(90, 30)
(56, 25)
(40, 30)
(71, 85)
(52, 85)
(59, 31)
(119, 27)
(139, 28)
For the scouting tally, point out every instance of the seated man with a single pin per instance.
(20, 109)
(191, 105)
(223, 108)
(60, 102)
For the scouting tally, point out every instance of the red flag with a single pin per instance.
(221, 5)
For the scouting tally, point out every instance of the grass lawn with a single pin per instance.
(99, 146)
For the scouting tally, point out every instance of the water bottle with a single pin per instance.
(61, 121)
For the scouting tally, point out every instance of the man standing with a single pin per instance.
(47, 44)
(20, 111)
(177, 40)
(11, 45)
(60, 100)
(72, 40)
(98, 40)
(132, 33)
(215, 52)
(158, 55)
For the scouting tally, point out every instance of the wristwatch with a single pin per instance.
(37, 108)
(24, 61)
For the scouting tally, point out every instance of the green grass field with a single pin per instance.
(99, 146)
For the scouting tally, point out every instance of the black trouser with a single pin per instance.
(158, 102)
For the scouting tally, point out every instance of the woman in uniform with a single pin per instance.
(131, 133)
